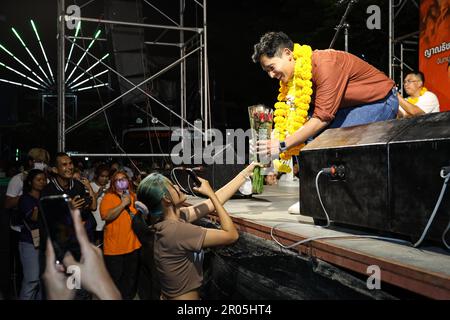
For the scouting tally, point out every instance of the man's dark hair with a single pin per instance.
(270, 45)
(58, 155)
(420, 75)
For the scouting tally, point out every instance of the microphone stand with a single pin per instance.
(343, 24)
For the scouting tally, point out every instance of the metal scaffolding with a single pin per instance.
(400, 45)
(200, 34)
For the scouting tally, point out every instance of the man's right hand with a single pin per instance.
(126, 200)
(77, 202)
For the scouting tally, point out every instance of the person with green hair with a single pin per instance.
(178, 244)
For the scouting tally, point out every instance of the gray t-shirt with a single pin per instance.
(179, 256)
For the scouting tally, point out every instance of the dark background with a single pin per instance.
(235, 81)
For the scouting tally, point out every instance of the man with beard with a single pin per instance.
(81, 197)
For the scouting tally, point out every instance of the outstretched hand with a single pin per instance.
(93, 274)
(268, 148)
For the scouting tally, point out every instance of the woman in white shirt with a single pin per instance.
(100, 185)
(420, 100)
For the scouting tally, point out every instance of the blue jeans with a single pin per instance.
(29, 256)
(382, 110)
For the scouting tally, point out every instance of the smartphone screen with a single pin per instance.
(59, 225)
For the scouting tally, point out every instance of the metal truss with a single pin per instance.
(200, 34)
(400, 45)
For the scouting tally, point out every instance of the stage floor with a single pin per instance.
(425, 270)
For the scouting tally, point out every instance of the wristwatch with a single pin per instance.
(283, 146)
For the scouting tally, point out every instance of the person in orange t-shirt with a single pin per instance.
(121, 246)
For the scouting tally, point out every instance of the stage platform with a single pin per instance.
(424, 271)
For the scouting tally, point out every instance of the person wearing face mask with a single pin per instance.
(120, 244)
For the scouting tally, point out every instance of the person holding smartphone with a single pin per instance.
(178, 244)
(62, 182)
(93, 274)
(120, 243)
(100, 185)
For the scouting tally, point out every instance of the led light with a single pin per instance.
(20, 74)
(93, 87)
(84, 54)
(42, 49)
(90, 68)
(73, 44)
(91, 78)
(18, 84)
(29, 53)
(23, 64)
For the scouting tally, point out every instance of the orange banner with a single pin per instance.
(434, 48)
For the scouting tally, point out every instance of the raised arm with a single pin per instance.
(113, 213)
(228, 232)
(223, 195)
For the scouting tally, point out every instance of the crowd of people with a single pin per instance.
(104, 197)
(102, 211)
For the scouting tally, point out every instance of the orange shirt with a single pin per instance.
(342, 80)
(118, 237)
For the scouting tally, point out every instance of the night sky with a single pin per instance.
(233, 28)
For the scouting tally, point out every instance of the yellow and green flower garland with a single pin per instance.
(413, 100)
(291, 110)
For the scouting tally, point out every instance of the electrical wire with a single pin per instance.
(444, 186)
(320, 200)
(443, 236)
(104, 111)
(436, 207)
(330, 237)
(174, 177)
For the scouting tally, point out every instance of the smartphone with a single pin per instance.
(59, 226)
(194, 177)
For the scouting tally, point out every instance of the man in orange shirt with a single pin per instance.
(347, 91)
(121, 245)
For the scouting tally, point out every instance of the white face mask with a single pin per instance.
(40, 165)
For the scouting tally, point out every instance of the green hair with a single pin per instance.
(151, 190)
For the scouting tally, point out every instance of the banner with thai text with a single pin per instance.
(434, 48)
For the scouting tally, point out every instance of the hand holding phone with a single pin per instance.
(194, 177)
(77, 202)
(204, 188)
(58, 224)
(95, 277)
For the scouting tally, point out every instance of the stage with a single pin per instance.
(424, 271)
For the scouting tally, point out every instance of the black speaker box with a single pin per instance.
(392, 175)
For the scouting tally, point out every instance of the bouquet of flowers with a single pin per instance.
(261, 121)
